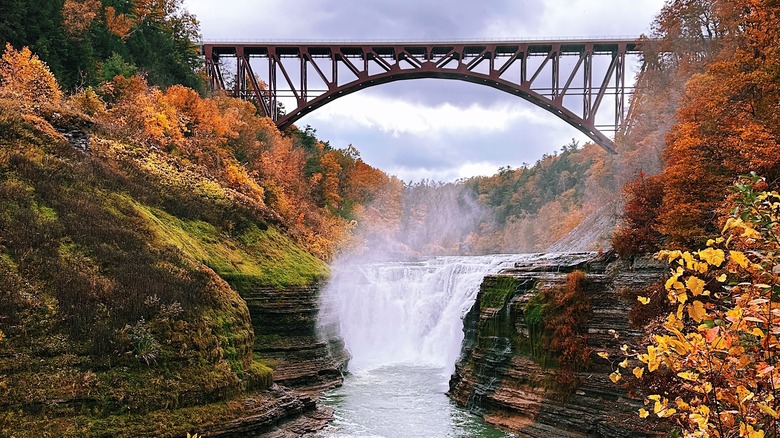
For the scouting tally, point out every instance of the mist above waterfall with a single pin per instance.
(429, 218)
(394, 297)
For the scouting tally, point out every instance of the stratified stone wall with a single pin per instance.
(494, 379)
(285, 324)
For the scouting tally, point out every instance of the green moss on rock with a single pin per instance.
(496, 291)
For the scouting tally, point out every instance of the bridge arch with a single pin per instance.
(545, 85)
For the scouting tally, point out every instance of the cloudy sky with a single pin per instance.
(428, 128)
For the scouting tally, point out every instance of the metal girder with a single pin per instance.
(343, 68)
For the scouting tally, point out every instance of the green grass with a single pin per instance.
(253, 257)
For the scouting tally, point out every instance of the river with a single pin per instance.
(402, 324)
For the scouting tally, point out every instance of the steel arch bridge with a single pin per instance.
(557, 76)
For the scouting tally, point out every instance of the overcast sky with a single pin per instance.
(428, 128)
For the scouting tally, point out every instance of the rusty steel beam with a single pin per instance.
(344, 68)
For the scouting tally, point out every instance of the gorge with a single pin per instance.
(404, 324)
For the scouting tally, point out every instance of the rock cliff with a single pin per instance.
(496, 379)
(284, 321)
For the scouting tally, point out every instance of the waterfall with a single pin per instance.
(405, 312)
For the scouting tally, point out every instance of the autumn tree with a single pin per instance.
(637, 234)
(720, 345)
(728, 123)
(24, 77)
(78, 15)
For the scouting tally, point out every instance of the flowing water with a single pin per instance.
(402, 324)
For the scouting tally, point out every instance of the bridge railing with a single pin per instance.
(478, 40)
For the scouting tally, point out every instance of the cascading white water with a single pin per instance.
(406, 312)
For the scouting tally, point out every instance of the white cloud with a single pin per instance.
(578, 18)
(395, 116)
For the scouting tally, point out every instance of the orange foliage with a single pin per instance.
(637, 235)
(717, 356)
(78, 15)
(330, 182)
(119, 24)
(729, 122)
(24, 77)
(221, 147)
(88, 102)
(139, 111)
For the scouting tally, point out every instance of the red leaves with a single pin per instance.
(638, 235)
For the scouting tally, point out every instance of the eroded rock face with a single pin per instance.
(496, 380)
(285, 324)
(276, 413)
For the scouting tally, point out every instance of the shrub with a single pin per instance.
(637, 234)
(26, 78)
(719, 355)
(556, 319)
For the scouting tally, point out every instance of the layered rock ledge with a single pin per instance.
(501, 383)
(284, 321)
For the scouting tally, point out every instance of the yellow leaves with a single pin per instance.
(712, 256)
(682, 405)
(638, 372)
(672, 283)
(722, 278)
(748, 231)
(624, 363)
(673, 322)
(744, 394)
(734, 314)
(731, 223)
(651, 358)
(765, 408)
(697, 311)
(643, 413)
(661, 407)
(688, 375)
(643, 300)
(695, 285)
(746, 430)
(615, 376)
(670, 256)
(739, 258)
(603, 355)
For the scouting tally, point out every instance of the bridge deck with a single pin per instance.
(314, 73)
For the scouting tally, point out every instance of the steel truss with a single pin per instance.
(532, 70)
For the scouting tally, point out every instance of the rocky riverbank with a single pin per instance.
(496, 379)
(284, 322)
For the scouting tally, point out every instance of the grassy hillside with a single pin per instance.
(115, 299)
